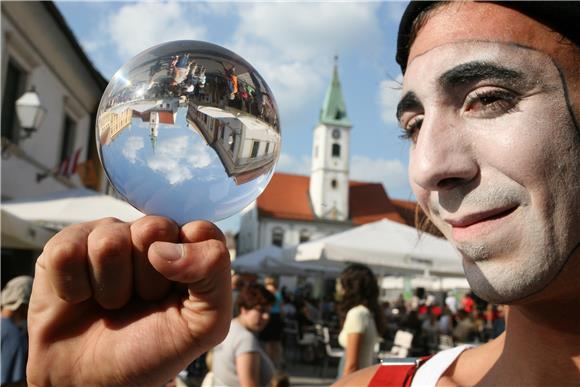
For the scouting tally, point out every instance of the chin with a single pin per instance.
(510, 281)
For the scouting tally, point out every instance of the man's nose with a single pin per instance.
(443, 156)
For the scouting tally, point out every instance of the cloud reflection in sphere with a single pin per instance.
(188, 130)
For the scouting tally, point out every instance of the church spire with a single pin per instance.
(333, 110)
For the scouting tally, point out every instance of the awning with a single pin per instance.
(30, 222)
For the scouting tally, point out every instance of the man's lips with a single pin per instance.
(480, 217)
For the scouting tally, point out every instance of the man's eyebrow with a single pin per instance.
(472, 72)
(410, 101)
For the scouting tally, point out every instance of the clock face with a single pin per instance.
(336, 134)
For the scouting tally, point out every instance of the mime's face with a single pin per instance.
(495, 157)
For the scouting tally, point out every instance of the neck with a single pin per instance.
(242, 321)
(547, 347)
(543, 333)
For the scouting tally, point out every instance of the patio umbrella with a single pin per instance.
(389, 248)
(60, 209)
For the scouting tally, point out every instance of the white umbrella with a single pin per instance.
(17, 233)
(72, 206)
(278, 261)
(257, 261)
(389, 248)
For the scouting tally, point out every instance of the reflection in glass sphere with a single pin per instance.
(188, 130)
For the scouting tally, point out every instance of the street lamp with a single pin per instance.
(30, 112)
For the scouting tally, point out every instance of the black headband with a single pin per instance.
(560, 16)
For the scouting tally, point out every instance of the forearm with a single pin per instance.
(349, 368)
(351, 354)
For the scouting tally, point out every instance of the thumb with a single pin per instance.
(205, 268)
(190, 263)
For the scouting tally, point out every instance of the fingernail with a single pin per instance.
(169, 251)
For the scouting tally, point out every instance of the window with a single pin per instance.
(232, 142)
(277, 236)
(68, 138)
(255, 148)
(304, 236)
(267, 148)
(13, 89)
(335, 150)
(333, 183)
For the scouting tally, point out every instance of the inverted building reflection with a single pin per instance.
(224, 102)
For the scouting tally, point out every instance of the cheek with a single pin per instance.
(528, 147)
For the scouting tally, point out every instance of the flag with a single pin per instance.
(68, 166)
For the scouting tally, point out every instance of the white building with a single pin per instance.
(295, 208)
(40, 52)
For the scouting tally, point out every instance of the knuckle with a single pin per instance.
(152, 228)
(202, 229)
(59, 256)
(111, 245)
(109, 220)
(216, 251)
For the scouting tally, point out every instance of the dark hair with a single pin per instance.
(253, 295)
(361, 288)
(560, 16)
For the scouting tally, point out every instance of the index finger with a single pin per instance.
(64, 262)
(201, 230)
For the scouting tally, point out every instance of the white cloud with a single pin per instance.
(389, 94)
(293, 44)
(132, 146)
(306, 30)
(291, 164)
(392, 173)
(138, 26)
(176, 159)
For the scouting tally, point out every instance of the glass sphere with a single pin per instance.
(188, 130)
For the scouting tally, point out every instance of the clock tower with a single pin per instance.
(330, 156)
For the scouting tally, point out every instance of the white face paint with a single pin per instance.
(495, 161)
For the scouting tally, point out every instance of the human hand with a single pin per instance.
(120, 304)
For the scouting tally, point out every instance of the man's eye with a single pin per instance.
(411, 128)
(490, 103)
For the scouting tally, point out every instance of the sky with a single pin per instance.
(292, 45)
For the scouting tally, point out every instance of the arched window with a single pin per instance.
(333, 183)
(277, 236)
(335, 150)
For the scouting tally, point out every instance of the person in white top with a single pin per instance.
(361, 317)
(490, 104)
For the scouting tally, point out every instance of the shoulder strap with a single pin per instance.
(396, 374)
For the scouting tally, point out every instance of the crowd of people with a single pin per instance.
(261, 336)
(254, 351)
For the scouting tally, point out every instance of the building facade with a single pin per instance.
(40, 53)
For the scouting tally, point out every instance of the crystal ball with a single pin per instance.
(188, 130)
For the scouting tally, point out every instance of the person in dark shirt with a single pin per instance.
(15, 298)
